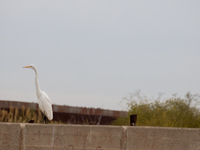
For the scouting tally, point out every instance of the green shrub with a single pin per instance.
(173, 112)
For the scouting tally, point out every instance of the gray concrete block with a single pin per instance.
(10, 136)
(157, 138)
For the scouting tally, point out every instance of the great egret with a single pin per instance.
(43, 99)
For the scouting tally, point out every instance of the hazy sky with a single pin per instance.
(93, 53)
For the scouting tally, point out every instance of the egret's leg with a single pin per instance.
(45, 119)
(42, 115)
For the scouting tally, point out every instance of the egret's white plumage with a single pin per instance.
(43, 99)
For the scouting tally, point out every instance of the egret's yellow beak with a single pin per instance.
(26, 66)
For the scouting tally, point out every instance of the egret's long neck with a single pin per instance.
(38, 91)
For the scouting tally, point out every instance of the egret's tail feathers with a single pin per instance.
(50, 117)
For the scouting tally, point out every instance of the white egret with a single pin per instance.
(43, 99)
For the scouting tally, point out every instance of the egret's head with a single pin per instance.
(30, 66)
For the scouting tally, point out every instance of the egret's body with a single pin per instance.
(43, 99)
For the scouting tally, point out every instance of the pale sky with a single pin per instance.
(93, 53)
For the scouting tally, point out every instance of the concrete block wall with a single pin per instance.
(10, 136)
(162, 138)
(15, 136)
